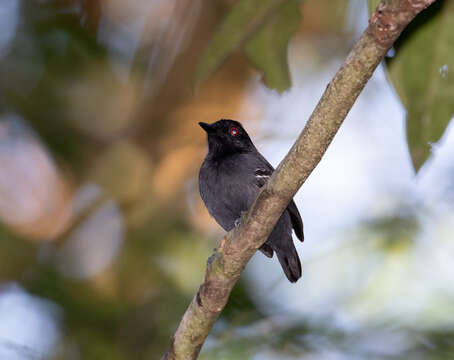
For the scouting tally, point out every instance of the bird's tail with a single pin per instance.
(290, 262)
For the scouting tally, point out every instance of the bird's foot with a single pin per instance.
(239, 220)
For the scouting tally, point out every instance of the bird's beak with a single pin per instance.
(207, 127)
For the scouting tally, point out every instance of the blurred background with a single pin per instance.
(103, 235)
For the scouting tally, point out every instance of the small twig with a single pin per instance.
(225, 265)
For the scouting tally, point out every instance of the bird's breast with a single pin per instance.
(227, 191)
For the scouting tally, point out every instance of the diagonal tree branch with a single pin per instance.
(226, 264)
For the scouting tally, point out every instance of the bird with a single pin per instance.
(230, 178)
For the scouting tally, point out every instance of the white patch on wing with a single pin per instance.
(261, 173)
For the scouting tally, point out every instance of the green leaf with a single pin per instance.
(422, 72)
(242, 21)
(267, 49)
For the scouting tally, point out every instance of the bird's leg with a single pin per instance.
(238, 221)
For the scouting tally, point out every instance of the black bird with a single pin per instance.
(229, 180)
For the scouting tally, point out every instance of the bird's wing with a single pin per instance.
(262, 171)
(262, 174)
(297, 222)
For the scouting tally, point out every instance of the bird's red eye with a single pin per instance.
(234, 131)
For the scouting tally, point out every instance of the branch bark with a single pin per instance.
(237, 247)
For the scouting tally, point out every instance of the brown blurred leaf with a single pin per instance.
(173, 170)
(324, 17)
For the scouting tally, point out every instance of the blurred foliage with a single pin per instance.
(267, 49)
(279, 338)
(50, 42)
(264, 28)
(422, 74)
(396, 232)
(421, 71)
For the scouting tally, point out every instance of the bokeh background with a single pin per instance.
(104, 238)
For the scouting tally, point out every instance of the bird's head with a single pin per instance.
(227, 137)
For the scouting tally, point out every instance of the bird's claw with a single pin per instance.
(239, 220)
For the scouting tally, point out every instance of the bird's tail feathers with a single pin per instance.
(266, 250)
(290, 262)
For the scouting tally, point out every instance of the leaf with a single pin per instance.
(267, 49)
(422, 72)
(245, 17)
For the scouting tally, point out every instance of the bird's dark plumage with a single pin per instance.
(229, 180)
